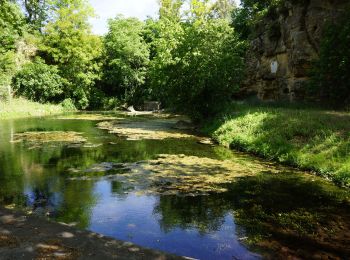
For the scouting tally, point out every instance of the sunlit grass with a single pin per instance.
(312, 139)
(20, 107)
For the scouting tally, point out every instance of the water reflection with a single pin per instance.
(160, 222)
(78, 200)
(290, 214)
(203, 213)
(279, 215)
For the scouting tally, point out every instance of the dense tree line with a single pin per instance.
(48, 53)
(191, 58)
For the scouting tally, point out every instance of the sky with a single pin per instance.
(106, 9)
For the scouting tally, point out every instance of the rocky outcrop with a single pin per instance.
(284, 47)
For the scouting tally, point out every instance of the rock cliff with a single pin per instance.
(284, 46)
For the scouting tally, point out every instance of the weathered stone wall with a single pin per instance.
(281, 54)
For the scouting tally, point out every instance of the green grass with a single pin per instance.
(311, 139)
(19, 108)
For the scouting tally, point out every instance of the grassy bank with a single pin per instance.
(311, 139)
(19, 108)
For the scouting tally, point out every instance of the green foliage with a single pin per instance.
(37, 12)
(38, 82)
(7, 66)
(331, 72)
(246, 18)
(198, 63)
(68, 105)
(126, 59)
(170, 9)
(69, 44)
(223, 9)
(309, 139)
(12, 24)
(11, 29)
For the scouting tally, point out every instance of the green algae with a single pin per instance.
(47, 137)
(177, 174)
(138, 129)
(34, 140)
(90, 117)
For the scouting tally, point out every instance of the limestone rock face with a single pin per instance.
(282, 52)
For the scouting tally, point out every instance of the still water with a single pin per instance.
(271, 212)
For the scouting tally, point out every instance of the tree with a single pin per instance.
(251, 12)
(36, 12)
(170, 9)
(12, 26)
(127, 58)
(163, 36)
(198, 63)
(223, 9)
(69, 44)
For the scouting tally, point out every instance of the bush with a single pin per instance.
(111, 103)
(68, 105)
(331, 73)
(39, 82)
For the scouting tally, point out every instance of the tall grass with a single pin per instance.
(20, 107)
(311, 139)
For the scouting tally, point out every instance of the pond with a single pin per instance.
(138, 179)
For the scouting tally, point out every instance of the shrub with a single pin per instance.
(38, 82)
(111, 103)
(68, 105)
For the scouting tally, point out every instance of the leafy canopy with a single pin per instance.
(127, 58)
(69, 44)
(198, 62)
(38, 82)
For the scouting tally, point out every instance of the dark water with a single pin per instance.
(276, 214)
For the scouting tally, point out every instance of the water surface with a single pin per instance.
(275, 212)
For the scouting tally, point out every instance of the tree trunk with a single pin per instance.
(9, 93)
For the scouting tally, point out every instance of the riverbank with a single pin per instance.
(310, 139)
(21, 108)
(32, 237)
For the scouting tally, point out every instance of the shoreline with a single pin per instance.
(311, 140)
(25, 236)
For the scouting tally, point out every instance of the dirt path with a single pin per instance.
(32, 237)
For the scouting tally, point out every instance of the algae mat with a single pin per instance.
(138, 129)
(34, 140)
(47, 137)
(173, 174)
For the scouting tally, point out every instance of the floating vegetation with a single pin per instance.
(95, 170)
(91, 117)
(37, 139)
(154, 129)
(177, 174)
